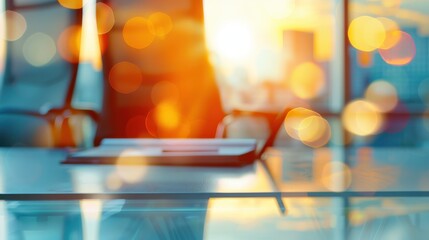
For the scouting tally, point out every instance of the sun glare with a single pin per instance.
(234, 41)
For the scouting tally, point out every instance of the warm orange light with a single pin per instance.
(137, 34)
(15, 25)
(393, 34)
(39, 49)
(314, 131)
(336, 176)
(125, 77)
(105, 18)
(382, 94)
(366, 33)
(364, 58)
(362, 118)
(72, 4)
(130, 173)
(164, 90)
(167, 115)
(401, 53)
(307, 80)
(69, 43)
(293, 121)
(161, 24)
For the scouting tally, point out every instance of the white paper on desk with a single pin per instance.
(172, 151)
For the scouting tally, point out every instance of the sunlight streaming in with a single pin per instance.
(91, 215)
(234, 41)
(90, 44)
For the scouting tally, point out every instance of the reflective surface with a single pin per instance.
(232, 218)
(358, 171)
(46, 178)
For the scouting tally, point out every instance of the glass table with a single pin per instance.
(327, 193)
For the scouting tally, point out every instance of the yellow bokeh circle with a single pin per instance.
(137, 34)
(362, 118)
(366, 33)
(307, 80)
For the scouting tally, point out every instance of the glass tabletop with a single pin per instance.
(224, 218)
(348, 172)
(47, 179)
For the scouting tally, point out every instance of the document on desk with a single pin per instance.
(187, 152)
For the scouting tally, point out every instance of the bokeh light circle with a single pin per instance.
(16, 25)
(294, 118)
(39, 49)
(105, 18)
(336, 176)
(393, 33)
(362, 118)
(73, 4)
(307, 80)
(314, 131)
(167, 115)
(366, 33)
(69, 43)
(129, 166)
(161, 24)
(164, 90)
(383, 94)
(125, 77)
(401, 53)
(137, 34)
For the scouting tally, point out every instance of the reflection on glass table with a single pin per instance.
(339, 171)
(232, 218)
(46, 179)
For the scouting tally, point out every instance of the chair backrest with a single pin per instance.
(42, 54)
(158, 80)
(40, 70)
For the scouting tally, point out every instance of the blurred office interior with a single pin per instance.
(353, 74)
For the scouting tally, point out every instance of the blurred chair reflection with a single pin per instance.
(42, 54)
